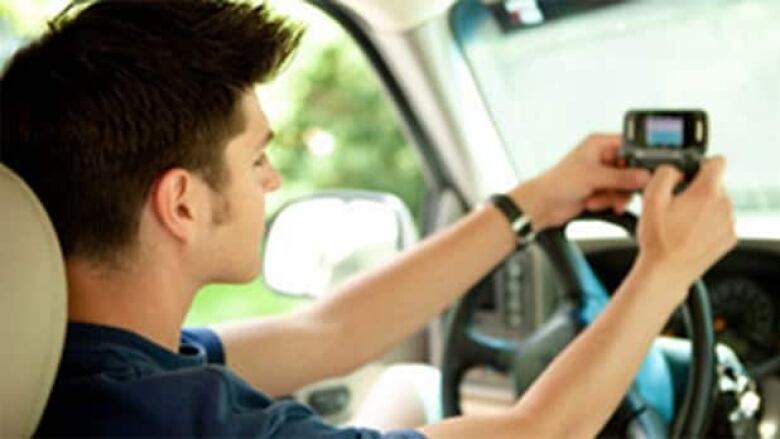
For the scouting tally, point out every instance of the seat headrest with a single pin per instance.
(33, 306)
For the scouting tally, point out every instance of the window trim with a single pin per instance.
(437, 176)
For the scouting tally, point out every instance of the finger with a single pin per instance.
(607, 200)
(620, 203)
(604, 138)
(603, 144)
(658, 191)
(610, 154)
(606, 178)
(598, 202)
(710, 176)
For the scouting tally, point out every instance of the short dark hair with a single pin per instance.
(105, 101)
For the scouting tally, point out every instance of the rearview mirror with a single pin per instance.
(315, 243)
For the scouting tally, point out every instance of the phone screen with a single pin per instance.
(664, 131)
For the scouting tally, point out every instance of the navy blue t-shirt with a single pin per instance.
(113, 382)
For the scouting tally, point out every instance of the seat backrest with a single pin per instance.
(32, 306)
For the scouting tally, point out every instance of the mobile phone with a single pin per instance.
(655, 137)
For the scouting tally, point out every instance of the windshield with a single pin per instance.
(550, 83)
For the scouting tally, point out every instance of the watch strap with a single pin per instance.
(518, 220)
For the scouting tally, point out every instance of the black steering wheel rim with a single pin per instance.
(464, 348)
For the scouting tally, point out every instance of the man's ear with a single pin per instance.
(175, 201)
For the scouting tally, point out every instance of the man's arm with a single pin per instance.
(369, 315)
(679, 238)
(372, 313)
(578, 392)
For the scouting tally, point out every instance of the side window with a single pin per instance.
(335, 128)
(22, 19)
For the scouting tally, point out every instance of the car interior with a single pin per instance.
(488, 93)
(33, 275)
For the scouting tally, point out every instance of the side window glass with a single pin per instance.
(335, 128)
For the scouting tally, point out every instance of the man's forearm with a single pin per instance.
(598, 367)
(369, 315)
(579, 391)
(378, 310)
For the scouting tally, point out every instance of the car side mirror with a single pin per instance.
(314, 243)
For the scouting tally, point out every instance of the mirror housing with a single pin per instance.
(314, 243)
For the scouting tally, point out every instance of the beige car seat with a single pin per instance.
(32, 306)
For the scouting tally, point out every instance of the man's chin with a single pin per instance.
(239, 277)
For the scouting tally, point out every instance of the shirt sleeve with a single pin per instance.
(236, 409)
(208, 340)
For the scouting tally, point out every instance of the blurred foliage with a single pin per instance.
(328, 92)
(334, 94)
(27, 17)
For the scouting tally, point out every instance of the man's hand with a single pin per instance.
(687, 233)
(587, 178)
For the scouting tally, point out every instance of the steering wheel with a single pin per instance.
(648, 409)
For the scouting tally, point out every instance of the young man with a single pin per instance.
(137, 126)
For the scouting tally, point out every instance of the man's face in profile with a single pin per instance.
(238, 220)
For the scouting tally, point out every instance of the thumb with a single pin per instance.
(710, 175)
(659, 191)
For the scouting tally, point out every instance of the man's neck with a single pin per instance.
(151, 301)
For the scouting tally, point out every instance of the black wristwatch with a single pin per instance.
(518, 220)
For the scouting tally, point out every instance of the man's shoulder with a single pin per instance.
(113, 383)
(139, 400)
